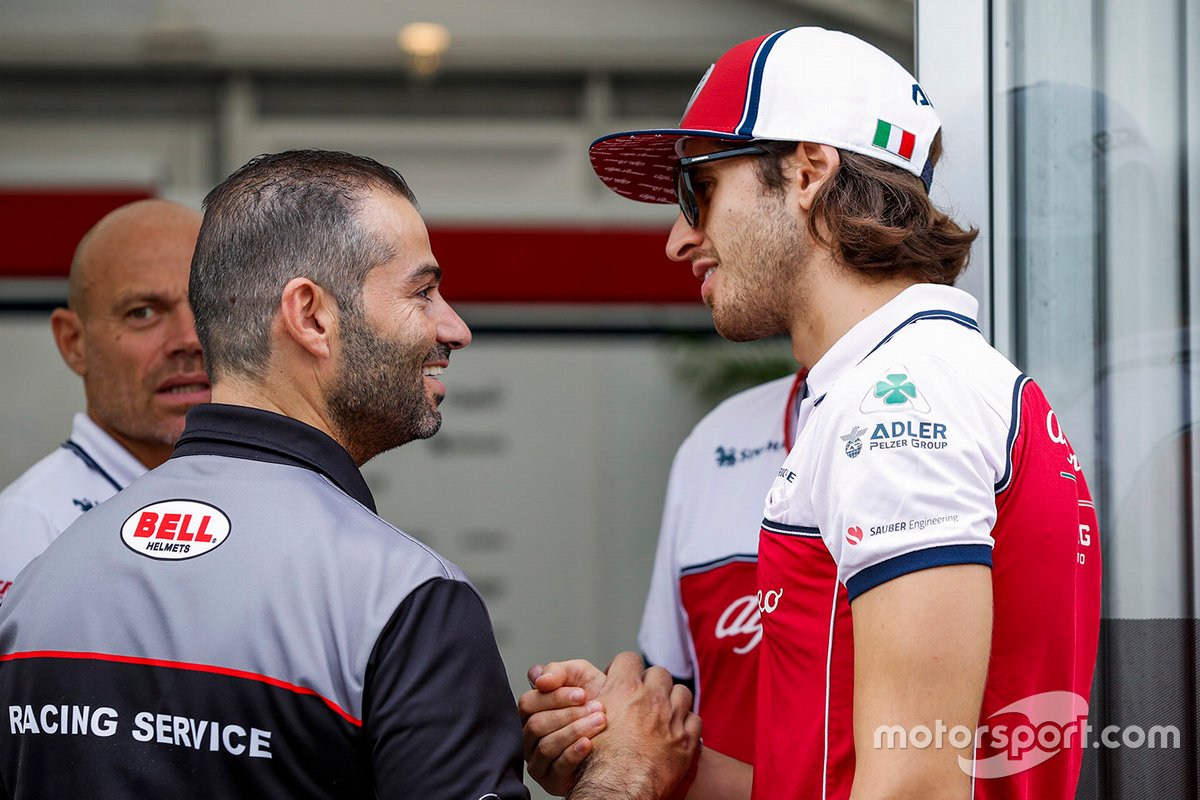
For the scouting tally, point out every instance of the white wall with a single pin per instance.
(38, 393)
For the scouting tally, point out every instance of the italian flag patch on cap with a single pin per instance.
(894, 139)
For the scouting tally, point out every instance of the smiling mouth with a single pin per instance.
(431, 371)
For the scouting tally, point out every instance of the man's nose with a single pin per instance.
(452, 331)
(682, 239)
(183, 338)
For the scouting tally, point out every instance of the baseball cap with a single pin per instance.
(801, 85)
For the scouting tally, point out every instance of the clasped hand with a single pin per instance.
(623, 734)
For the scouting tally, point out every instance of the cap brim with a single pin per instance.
(640, 165)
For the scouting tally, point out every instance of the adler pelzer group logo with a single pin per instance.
(174, 530)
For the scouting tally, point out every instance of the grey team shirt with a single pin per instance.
(240, 623)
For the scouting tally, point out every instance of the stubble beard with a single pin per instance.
(765, 260)
(129, 413)
(378, 401)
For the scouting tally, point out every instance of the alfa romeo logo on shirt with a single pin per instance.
(741, 618)
(769, 600)
(895, 390)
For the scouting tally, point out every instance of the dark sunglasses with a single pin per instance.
(684, 192)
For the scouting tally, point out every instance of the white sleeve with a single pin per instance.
(920, 491)
(25, 531)
(664, 637)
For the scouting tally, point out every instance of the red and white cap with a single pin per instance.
(798, 85)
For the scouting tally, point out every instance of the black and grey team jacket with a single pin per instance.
(239, 623)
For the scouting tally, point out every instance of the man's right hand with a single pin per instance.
(648, 746)
(560, 714)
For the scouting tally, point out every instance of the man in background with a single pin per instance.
(701, 620)
(128, 332)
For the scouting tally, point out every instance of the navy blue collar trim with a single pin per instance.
(961, 319)
(736, 558)
(215, 429)
(953, 316)
(86, 458)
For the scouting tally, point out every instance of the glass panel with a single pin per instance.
(1098, 130)
(1097, 142)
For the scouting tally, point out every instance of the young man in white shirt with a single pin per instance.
(929, 555)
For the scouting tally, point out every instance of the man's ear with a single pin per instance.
(813, 164)
(67, 328)
(308, 316)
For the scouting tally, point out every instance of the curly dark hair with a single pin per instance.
(878, 219)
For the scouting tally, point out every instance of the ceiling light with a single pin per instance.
(424, 43)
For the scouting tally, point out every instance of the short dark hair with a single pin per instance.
(279, 217)
(878, 219)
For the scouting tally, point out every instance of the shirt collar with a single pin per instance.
(242, 432)
(917, 302)
(116, 463)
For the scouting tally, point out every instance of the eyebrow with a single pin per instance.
(123, 300)
(425, 271)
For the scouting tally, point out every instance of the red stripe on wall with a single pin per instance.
(184, 665)
(560, 265)
(482, 263)
(40, 227)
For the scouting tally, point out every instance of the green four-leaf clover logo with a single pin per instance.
(896, 390)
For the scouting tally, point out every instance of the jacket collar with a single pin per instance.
(242, 432)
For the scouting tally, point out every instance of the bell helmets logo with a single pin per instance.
(854, 534)
(174, 530)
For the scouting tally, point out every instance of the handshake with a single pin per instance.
(623, 734)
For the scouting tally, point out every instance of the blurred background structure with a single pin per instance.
(1073, 140)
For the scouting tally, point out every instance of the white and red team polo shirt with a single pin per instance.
(701, 620)
(89, 468)
(918, 445)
